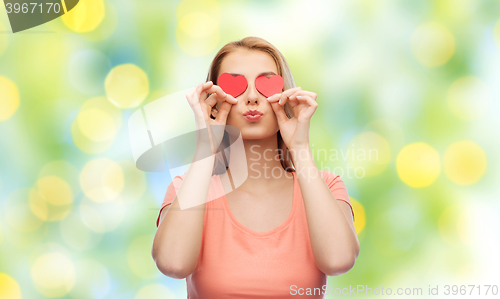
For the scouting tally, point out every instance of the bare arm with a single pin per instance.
(177, 243)
(331, 227)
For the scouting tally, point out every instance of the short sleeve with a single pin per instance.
(337, 187)
(172, 190)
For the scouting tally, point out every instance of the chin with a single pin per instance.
(259, 132)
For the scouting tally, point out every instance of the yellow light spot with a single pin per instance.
(51, 199)
(418, 165)
(101, 217)
(197, 31)
(455, 226)
(127, 86)
(62, 169)
(55, 190)
(9, 98)
(465, 162)
(96, 125)
(368, 154)
(3, 39)
(468, 98)
(102, 180)
(107, 26)
(155, 291)
(86, 16)
(53, 274)
(9, 288)
(432, 44)
(359, 214)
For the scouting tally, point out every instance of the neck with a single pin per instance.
(263, 161)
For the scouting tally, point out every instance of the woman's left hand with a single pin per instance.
(295, 130)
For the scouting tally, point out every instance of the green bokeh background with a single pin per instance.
(379, 71)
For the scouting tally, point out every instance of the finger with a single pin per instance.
(303, 93)
(280, 112)
(274, 98)
(201, 90)
(311, 106)
(211, 100)
(285, 94)
(222, 95)
(224, 109)
(306, 99)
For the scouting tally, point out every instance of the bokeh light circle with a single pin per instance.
(368, 153)
(127, 86)
(359, 215)
(62, 169)
(102, 217)
(95, 127)
(9, 287)
(53, 274)
(9, 95)
(102, 180)
(197, 31)
(468, 98)
(86, 16)
(465, 162)
(51, 199)
(432, 44)
(55, 190)
(418, 165)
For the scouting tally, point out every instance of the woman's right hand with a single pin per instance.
(202, 108)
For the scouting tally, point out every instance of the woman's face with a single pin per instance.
(251, 64)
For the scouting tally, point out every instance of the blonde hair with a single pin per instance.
(257, 44)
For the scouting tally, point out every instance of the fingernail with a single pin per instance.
(279, 102)
(269, 98)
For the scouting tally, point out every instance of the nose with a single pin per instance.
(252, 96)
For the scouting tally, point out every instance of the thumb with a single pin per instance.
(279, 110)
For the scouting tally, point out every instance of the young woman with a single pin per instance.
(289, 225)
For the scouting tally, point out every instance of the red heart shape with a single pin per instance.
(232, 85)
(269, 86)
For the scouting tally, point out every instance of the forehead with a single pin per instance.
(249, 63)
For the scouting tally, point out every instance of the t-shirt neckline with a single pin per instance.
(274, 230)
